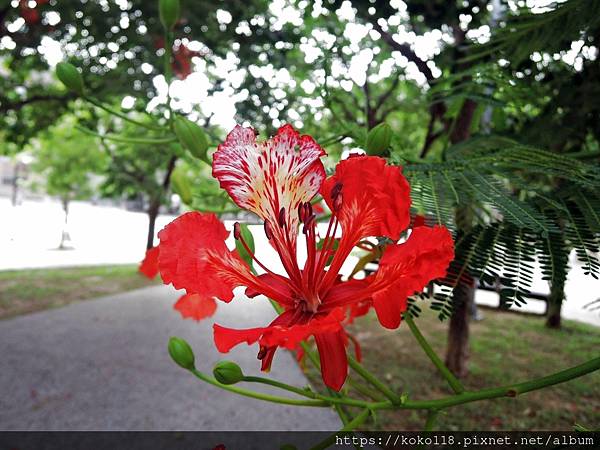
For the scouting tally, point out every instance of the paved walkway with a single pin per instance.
(109, 235)
(103, 365)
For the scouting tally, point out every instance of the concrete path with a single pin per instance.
(103, 365)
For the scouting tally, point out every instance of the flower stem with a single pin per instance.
(511, 390)
(258, 395)
(119, 114)
(349, 427)
(454, 383)
(280, 385)
(315, 361)
(117, 138)
(395, 399)
(432, 415)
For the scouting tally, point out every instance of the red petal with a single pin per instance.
(195, 306)
(193, 256)
(376, 196)
(279, 290)
(149, 266)
(407, 268)
(334, 362)
(266, 177)
(278, 334)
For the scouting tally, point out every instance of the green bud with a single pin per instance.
(181, 186)
(70, 77)
(181, 352)
(378, 139)
(168, 11)
(191, 137)
(227, 372)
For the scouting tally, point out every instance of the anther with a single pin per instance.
(337, 202)
(268, 231)
(281, 218)
(309, 209)
(310, 222)
(262, 352)
(301, 211)
(237, 231)
(336, 190)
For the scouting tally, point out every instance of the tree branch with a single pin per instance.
(387, 94)
(8, 106)
(406, 51)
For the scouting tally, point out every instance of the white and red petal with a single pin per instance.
(266, 177)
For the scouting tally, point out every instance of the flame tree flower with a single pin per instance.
(277, 179)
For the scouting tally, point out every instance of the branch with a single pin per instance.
(387, 94)
(16, 106)
(454, 383)
(170, 168)
(406, 51)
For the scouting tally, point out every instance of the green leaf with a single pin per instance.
(246, 235)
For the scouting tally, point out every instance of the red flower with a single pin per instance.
(277, 179)
(31, 15)
(182, 61)
(149, 266)
(194, 306)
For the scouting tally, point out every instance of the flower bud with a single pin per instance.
(191, 137)
(181, 352)
(378, 139)
(168, 11)
(181, 186)
(227, 372)
(70, 77)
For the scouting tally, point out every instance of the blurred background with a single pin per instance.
(88, 177)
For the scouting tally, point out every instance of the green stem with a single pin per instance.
(511, 390)
(119, 114)
(373, 380)
(258, 395)
(218, 210)
(334, 395)
(365, 390)
(116, 138)
(454, 383)
(168, 72)
(432, 415)
(350, 426)
(280, 385)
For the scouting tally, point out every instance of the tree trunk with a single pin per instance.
(65, 237)
(156, 202)
(457, 352)
(555, 300)
(152, 215)
(15, 185)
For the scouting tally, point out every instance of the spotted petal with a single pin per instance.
(266, 177)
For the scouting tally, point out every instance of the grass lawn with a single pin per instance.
(24, 291)
(505, 348)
